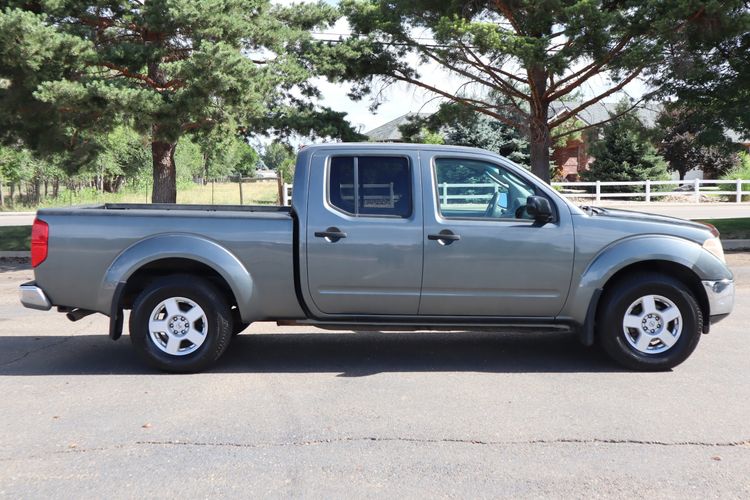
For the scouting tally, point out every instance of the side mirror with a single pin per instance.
(539, 208)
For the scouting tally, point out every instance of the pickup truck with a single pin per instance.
(387, 237)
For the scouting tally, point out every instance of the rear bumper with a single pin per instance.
(34, 297)
(720, 296)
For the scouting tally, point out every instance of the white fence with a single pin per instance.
(693, 191)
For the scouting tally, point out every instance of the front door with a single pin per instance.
(484, 256)
(364, 234)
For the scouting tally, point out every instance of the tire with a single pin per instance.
(238, 326)
(649, 322)
(180, 324)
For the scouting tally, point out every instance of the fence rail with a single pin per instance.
(693, 189)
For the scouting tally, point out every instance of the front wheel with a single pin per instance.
(180, 324)
(649, 322)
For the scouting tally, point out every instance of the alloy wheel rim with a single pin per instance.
(652, 324)
(178, 326)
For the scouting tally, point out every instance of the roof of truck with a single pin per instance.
(395, 145)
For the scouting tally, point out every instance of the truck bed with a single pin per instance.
(152, 208)
(85, 243)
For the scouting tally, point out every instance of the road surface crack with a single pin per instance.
(32, 351)
(314, 442)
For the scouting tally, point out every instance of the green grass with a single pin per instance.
(731, 229)
(15, 238)
(228, 193)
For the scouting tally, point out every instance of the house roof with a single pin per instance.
(389, 132)
(602, 111)
(595, 113)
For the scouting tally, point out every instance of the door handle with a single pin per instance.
(445, 237)
(332, 234)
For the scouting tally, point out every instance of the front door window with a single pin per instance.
(475, 189)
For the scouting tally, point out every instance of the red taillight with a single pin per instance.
(39, 238)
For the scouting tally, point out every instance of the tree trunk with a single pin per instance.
(2, 197)
(55, 188)
(162, 153)
(165, 174)
(37, 191)
(540, 140)
(539, 147)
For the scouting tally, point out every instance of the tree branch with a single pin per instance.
(171, 84)
(572, 112)
(477, 105)
(507, 86)
(554, 93)
(592, 125)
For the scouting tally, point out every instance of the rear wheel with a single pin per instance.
(649, 322)
(180, 324)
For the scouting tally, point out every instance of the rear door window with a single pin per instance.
(371, 185)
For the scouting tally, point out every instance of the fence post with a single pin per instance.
(648, 190)
(598, 191)
(739, 191)
(240, 179)
(697, 187)
(285, 192)
(445, 193)
(280, 188)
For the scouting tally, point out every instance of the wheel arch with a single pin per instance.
(683, 259)
(166, 254)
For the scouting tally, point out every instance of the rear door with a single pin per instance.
(484, 256)
(364, 233)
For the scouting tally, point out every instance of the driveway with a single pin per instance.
(305, 413)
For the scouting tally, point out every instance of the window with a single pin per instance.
(477, 189)
(370, 185)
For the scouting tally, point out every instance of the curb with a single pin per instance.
(735, 244)
(11, 214)
(15, 255)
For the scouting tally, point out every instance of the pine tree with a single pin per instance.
(624, 153)
(173, 67)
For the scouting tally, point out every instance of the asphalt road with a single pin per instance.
(305, 413)
(688, 210)
(16, 218)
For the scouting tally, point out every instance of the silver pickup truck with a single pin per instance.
(390, 237)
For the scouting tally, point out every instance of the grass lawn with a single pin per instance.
(731, 229)
(15, 238)
(221, 193)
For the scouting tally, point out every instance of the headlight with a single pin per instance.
(713, 245)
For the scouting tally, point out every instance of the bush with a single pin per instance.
(740, 172)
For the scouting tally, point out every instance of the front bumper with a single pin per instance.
(34, 297)
(720, 296)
